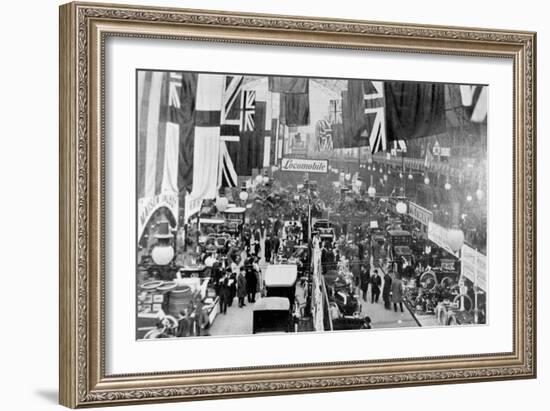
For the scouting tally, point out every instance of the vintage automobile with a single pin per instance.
(325, 229)
(234, 220)
(280, 281)
(208, 226)
(300, 257)
(402, 255)
(272, 315)
(399, 243)
(340, 292)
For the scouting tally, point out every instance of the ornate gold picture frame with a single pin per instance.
(84, 30)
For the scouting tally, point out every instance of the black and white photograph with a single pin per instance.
(279, 204)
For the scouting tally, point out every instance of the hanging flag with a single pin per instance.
(279, 84)
(271, 115)
(258, 139)
(207, 136)
(170, 115)
(353, 117)
(274, 141)
(186, 113)
(231, 116)
(248, 153)
(414, 109)
(248, 99)
(158, 134)
(475, 98)
(294, 109)
(323, 135)
(280, 141)
(456, 114)
(159, 122)
(375, 117)
(148, 125)
(335, 111)
(227, 176)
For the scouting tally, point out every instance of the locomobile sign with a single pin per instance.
(304, 165)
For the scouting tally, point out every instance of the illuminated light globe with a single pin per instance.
(162, 254)
(381, 171)
(410, 176)
(426, 180)
(455, 239)
(400, 175)
(259, 179)
(385, 177)
(468, 198)
(479, 194)
(401, 207)
(447, 186)
(243, 195)
(368, 168)
(222, 203)
(348, 176)
(371, 191)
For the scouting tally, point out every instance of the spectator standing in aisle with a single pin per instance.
(376, 282)
(386, 290)
(225, 295)
(241, 287)
(364, 281)
(397, 293)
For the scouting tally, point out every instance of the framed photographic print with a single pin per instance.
(258, 204)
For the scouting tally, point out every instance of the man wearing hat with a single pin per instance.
(241, 287)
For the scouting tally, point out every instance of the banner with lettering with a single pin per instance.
(304, 165)
(147, 206)
(474, 266)
(420, 214)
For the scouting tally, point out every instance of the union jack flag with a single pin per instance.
(323, 131)
(231, 114)
(248, 107)
(238, 107)
(375, 115)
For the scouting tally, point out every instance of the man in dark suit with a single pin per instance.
(267, 249)
(364, 278)
(386, 290)
(376, 282)
(241, 287)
